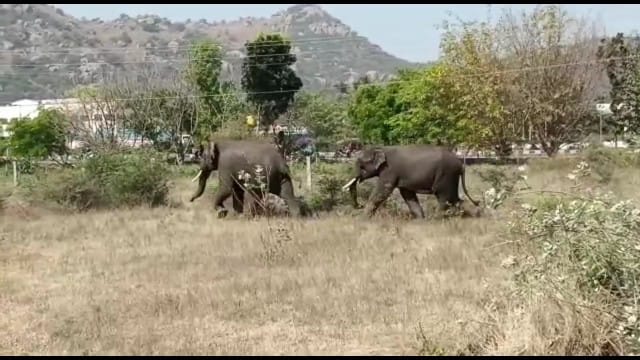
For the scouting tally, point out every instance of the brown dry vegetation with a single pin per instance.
(177, 280)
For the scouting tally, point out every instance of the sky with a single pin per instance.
(406, 31)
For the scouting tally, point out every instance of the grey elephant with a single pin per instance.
(231, 158)
(413, 169)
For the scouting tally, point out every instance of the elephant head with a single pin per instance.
(208, 162)
(369, 164)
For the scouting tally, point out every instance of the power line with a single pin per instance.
(187, 47)
(167, 60)
(542, 67)
(142, 71)
(329, 62)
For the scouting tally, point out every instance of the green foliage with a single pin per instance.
(370, 111)
(477, 87)
(421, 107)
(504, 181)
(203, 73)
(584, 251)
(107, 180)
(623, 71)
(325, 117)
(40, 137)
(4, 145)
(328, 192)
(433, 110)
(267, 76)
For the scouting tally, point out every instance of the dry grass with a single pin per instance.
(180, 281)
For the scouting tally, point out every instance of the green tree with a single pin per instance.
(41, 137)
(421, 107)
(470, 52)
(325, 117)
(371, 110)
(623, 71)
(203, 73)
(268, 78)
(433, 109)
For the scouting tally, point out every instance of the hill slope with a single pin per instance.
(44, 52)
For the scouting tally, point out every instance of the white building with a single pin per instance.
(29, 109)
(89, 120)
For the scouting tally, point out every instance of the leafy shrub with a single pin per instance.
(327, 190)
(327, 193)
(504, 181)
(584, 253)
(106, 181)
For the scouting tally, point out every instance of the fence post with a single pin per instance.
(309, 172)
(15, 173)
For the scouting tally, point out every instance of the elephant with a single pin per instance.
(230, 158)
(413, 169)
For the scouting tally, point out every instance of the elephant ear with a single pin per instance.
(379, 158)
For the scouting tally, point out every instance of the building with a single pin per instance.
(88, 119)
(29, 109)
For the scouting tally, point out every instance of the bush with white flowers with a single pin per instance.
(590, 245)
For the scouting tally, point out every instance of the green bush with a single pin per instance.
(583, 253)
(327, 193)
(327, 190)
(106, 181)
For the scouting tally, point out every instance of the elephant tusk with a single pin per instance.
(349, 183)
(197, 176)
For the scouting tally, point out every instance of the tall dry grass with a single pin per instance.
(180, 281)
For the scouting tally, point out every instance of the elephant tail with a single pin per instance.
(464, 187)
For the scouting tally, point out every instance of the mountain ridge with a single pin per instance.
(49, 52)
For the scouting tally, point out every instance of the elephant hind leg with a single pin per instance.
(287, 194)
(238, 199)
(447, 200)
(411, 199)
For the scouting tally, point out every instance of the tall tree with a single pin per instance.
(471, 53)
(623, 71)
(203, 72)
(267, 76)
(555, 83)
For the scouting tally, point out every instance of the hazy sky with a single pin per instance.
(406, 31)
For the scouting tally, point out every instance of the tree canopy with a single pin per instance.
(41, 137)
(267, 76)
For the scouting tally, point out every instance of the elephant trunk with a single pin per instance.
(202, 177)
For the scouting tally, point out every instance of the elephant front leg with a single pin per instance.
(381, 193)
(222, 194)
(411, 199)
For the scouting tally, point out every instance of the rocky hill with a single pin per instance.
(44, 52)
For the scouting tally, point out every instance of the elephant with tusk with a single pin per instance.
(231, 158)
(413, 169)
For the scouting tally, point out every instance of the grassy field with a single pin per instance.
(177, 280)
